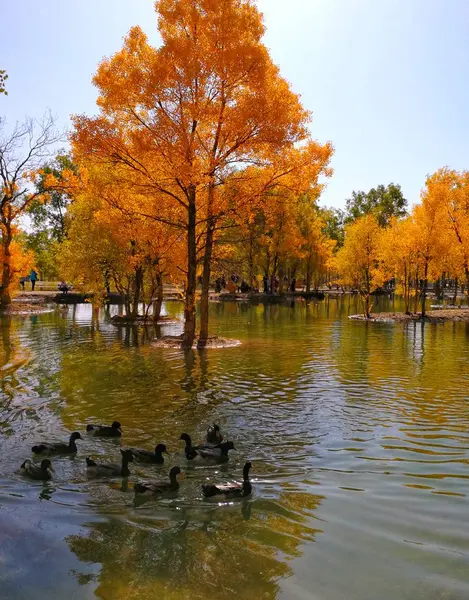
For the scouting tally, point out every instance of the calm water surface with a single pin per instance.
(358, 435)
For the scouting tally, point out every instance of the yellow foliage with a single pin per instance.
(20, 260)
(358, 261)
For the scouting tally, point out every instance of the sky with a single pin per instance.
(387, 81)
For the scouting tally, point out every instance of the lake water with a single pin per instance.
(358, 435)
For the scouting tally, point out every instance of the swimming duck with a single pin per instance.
(206, 454)
(190, 451)
(105, 430)
(58, 447)
(110, 469)
(214, 435)
(148, 456)
(215, 455)
(42, 471)
(152, 488)
(230, 490)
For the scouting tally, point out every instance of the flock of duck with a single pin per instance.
(214, 451)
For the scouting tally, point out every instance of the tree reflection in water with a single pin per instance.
(221, 551)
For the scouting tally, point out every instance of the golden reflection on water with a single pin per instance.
(358, 433)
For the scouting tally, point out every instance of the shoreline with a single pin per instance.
(140, 320)
(24, 309)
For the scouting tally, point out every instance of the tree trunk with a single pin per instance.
(281, 276)
(251, 260)
(416, 286)
(455, 296)
(138, 281)
(438, 289)
(406, 291)
(211, 222)
(466, 270)
(158, 303)
(424, 289)
(5, 294)
(189, 304)
(308, 274)
(367, 295)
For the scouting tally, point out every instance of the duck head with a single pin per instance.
(226, 446)
(174, 472)
(116, 425)
(161, 449)
(214, 434)
(76, 436)
(185, 437)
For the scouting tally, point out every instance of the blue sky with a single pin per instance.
(387, 80)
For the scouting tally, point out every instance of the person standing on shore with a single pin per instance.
(33, 277)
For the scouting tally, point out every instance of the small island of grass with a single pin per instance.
(432, 316)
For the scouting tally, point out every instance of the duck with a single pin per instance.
(215, 455)
(230, 490)
(153, 488)
(42, 472)
(105, 430)
(214, 436)
(110, 469)
(58, 447)
(190, 451)
(206, 454)
(148, 456)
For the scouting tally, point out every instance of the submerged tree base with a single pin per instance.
(177, 341)
(18, 308)
(432, 316)
(122, 320)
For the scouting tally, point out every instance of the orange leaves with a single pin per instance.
(21, 262)
(198, 130)
(446, 200)
(208, 101)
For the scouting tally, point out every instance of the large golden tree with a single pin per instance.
(184, 119)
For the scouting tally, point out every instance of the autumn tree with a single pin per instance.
(315, 248)
(21, 259)
(358, 261)
(383, 202)
(448, 190)
(107, 246)
(182, 119)
(400, 258)
(49, 220)
(22, 152)
(430, 241)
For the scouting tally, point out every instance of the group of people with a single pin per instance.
(33, 277)
(272, 285)
(234, 285)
